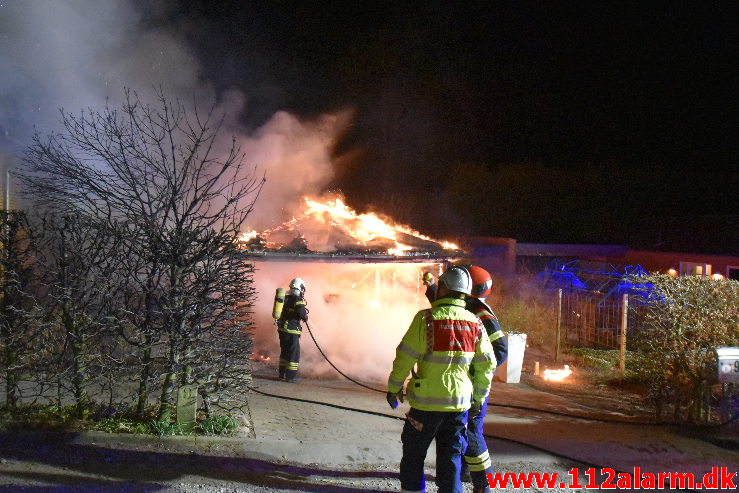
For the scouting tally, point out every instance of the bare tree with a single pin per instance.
(155, 170)
(21, 325)
(78, 270)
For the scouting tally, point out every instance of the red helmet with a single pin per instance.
(482, 283)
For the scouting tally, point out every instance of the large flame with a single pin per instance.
(326, 225)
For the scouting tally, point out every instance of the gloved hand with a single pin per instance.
(393, 398)
(475, 409)
(428, 278)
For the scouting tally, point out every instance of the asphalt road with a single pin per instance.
(302, 446)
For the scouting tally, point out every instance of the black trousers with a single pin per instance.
(289, 355)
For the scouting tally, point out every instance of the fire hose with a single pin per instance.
(486, 435)
(506, 406)
(334, 366)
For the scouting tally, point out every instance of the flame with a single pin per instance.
(260, 357)
(557, 375)
(248, 235)
(376, 301)
(401, 249)
(364, 228)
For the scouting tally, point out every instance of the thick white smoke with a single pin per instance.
(358, 313)
(296, 157)
(78, 54)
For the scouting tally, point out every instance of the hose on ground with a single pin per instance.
(334, 366)
(509, 406)
(385, 415)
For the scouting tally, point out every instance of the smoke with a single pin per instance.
(80, 55)
(358, 313)
(297, 159)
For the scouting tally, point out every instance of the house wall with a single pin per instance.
(496, 255)
(500, 256)
(662, 261)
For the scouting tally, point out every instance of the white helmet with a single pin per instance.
(458, 279)
(298, 284)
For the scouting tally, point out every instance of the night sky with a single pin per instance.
(566, 122)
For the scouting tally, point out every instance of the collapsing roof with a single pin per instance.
(331, 231)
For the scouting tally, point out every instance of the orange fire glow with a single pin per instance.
(557, 375)
(260, 357)
(363, 228)
(248, 235)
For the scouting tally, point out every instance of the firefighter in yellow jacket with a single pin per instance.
(443, 342)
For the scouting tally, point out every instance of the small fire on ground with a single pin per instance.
(260, 357)
(557, 375)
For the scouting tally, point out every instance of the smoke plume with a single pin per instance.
(81, 55)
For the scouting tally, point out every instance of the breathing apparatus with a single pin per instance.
(278, 304)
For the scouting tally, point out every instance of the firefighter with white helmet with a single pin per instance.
(444, 342)
(289, 329)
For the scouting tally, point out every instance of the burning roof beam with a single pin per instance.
(332, 231)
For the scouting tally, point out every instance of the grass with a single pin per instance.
(50, 417)
(606, 362)
(531, 317)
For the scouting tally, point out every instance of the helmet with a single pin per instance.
(298, 284)
(482, 283)
(457, 278)
(428, 278)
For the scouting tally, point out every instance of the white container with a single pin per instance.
(510, 370)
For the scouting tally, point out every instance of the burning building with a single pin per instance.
(363, 276)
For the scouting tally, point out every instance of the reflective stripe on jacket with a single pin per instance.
(492, 326)
(292, 313)
(444, 350)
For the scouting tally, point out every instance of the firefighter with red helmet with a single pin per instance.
(477, 457)
(289, 329)
(445, 342)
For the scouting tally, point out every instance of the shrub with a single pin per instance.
(55, 418)
(686, 319)
(607, 361)
(533, 315)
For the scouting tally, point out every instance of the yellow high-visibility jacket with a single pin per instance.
(444, 341)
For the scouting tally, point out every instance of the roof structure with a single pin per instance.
(332, 232)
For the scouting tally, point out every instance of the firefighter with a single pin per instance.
(482, 286)
(431, 287)
(444, 342)
(289, 329)
(476, 457)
